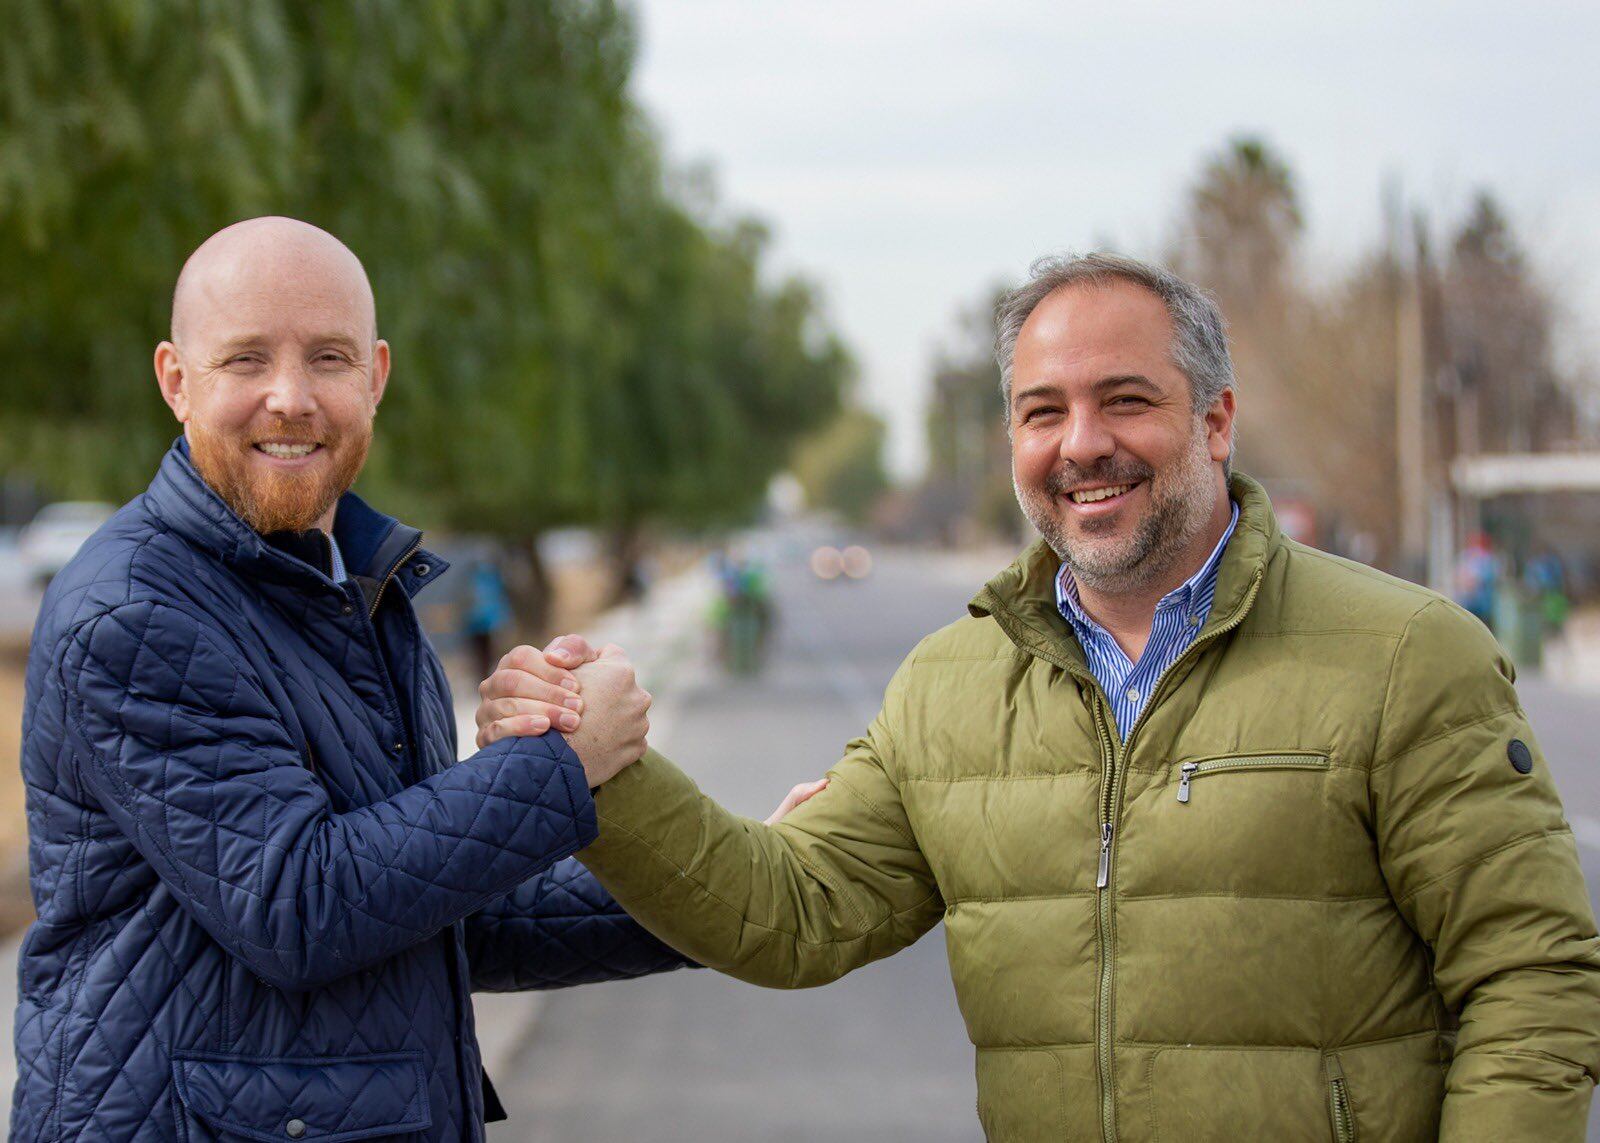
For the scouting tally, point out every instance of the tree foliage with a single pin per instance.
(841, 467)
(578, 336)
(969, 464)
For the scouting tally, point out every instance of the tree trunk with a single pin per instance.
(528, 584)
(625, 553)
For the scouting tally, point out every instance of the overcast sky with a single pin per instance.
(909, 154)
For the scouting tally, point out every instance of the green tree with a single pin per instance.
(969, 456)
(841, 468)
(577, 338)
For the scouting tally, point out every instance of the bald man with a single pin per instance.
(265, 886)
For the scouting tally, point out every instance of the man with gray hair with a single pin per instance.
(1231, 839)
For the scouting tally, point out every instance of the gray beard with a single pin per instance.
(1181, 501)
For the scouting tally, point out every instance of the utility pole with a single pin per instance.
(1410, 420)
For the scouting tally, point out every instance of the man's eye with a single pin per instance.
(1128, 401)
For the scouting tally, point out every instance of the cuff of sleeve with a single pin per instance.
(575, 798)
(650, 827)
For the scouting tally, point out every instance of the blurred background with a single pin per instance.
(691, 309)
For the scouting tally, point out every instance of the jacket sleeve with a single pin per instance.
(179, 741)
(839, 882)
(1485, 869)
(559, 929)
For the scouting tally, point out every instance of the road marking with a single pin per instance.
(1586, 830)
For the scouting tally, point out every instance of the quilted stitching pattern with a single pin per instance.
(354, 1097)
(546, 934)
(249, 837)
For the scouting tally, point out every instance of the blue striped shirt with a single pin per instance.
(336, 571)
(1179, 617)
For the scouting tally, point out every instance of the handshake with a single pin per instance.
(592, 697)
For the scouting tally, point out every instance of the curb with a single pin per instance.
(665, 636)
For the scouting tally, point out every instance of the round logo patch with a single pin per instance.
(1521, 757)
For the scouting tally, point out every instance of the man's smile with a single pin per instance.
(1099, 500)
(285, 450)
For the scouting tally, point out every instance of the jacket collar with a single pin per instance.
(1022, 598)
(373, 545)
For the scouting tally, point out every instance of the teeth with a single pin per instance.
(287, 451)
(1093, 495)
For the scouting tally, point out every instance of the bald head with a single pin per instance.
(266, 265)
(274, 369)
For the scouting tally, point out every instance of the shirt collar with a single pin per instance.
(337, 572)
(1200, 586)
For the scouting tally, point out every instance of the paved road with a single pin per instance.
(882, 1054)
(878, 1057)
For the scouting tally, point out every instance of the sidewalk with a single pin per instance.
(664, 637)
(1574, 660)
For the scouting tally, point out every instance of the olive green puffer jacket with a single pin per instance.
(1323, 890)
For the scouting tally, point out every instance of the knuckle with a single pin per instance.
(522, 657)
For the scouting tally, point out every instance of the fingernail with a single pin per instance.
(569, 721)
(574, 702)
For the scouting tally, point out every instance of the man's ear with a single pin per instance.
(170, 376)
(1219, 426)
(380, 371)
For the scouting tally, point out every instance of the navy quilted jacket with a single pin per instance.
(265, 886)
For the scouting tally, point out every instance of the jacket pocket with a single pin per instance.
(1343, 1116)
(313, 1099)
(1223, 1095)
(1285, 760)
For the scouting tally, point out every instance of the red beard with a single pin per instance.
(277, 502)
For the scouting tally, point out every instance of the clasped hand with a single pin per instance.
(593, 697)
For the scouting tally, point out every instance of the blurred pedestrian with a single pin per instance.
(1546, 582)
(487, 615)
(1231, 839)
(742, 613)
(1478, 577)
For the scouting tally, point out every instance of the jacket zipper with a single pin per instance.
(1105, 1025)
(1344, 1120)
(1111, 763)
(1113, 772)
(1192, 770)
(393, 570)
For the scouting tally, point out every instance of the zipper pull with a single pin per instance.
(1188, 769)
(1105, 856)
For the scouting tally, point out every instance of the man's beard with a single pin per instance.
(278, 501)
(1181, 501)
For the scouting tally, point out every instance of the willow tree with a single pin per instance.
(576, 340)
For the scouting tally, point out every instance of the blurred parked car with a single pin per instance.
(54, 536)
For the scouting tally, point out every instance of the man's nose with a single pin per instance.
(290, 393)
(1086, 439)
